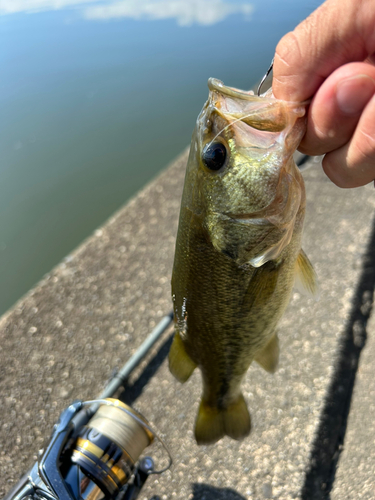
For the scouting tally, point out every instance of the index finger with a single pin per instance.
(338, 32)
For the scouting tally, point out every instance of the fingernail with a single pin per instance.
(353, 94)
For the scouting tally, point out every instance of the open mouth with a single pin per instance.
(218, 86)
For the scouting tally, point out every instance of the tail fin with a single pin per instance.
(214, 423)
(237, 423)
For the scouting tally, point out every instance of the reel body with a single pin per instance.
(92, 455)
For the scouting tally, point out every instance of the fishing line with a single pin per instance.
(229, 125)
(246, 116)
(142, 423)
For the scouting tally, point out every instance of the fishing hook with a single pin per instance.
(264, 78)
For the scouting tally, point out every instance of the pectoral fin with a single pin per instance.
(262, 285)
(306, 279)
(180, 364)
(268, 358)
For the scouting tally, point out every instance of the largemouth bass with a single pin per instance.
(238, 249)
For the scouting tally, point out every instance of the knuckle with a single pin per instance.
(306, 148)
(288, 51)
(352, 165)
(336, 172)
(362, 151)
(318, 142)
(287, 63)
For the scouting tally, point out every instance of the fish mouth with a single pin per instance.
(217, 85)
(259, 112)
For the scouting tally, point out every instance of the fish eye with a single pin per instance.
(214, 155)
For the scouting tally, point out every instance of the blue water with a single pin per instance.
(97, 97)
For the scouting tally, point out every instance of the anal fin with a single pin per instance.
(268, 358)
(180, 364)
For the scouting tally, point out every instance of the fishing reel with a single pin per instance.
(93, 454)
(94, 450)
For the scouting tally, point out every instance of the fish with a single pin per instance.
(238, 249)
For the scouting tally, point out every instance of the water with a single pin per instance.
(97, 97)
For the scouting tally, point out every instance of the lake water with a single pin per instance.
(97, 97)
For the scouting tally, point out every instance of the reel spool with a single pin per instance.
(107, 448)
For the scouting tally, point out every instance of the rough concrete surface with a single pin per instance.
(90, 314)
(355, 474)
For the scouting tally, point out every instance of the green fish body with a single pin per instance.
(238, 249)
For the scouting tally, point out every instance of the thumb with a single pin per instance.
(338, 32)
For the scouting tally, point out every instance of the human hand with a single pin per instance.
(329, 58)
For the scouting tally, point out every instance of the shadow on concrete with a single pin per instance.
(331, 433)
(133, 391)
(203, 491)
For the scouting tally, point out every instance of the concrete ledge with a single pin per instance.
(89, 315)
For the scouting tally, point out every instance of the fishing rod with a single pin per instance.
(95, 448)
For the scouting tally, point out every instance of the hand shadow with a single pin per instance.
(203, 491)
